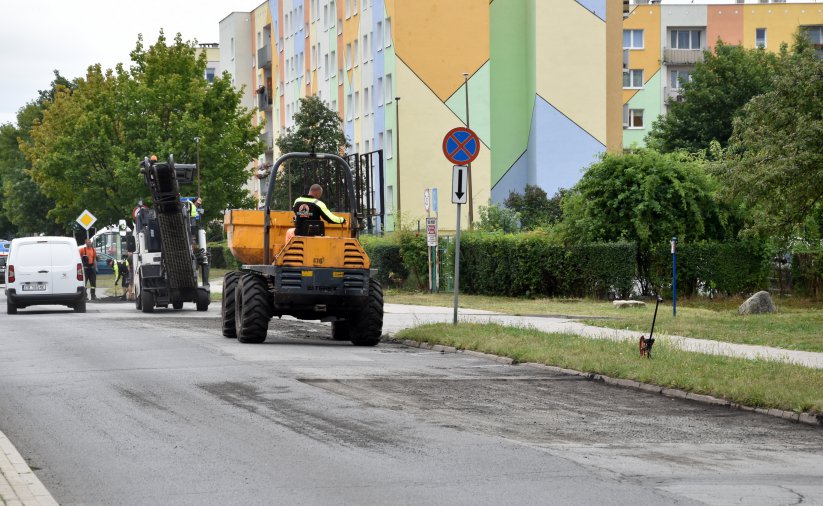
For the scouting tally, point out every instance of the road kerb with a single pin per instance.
(18, 483)
(803, 418)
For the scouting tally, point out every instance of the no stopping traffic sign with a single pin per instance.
(461, 146)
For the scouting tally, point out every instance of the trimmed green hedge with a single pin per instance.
(221, 257)
(723, 268)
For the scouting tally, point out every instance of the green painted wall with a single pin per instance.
(511, 84)
(647, 99)
(480, 117)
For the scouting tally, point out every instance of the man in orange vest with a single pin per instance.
(89, 257)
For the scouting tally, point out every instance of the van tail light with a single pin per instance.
(79, 272)
(11, 274)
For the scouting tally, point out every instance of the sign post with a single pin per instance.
(86, 220)
(461, 147)
(674, 277)
(437, 245)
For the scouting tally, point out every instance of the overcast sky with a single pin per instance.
(39, 37)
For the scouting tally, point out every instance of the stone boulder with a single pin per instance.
(759, 303)
(628, 303)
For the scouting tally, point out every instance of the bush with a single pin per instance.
(221, 257)
(384, 253)
(731, 268)
(529, 265)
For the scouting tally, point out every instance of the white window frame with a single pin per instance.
(388, 150)
(632, 73)
(387, 35)
(631, 123)
(676, 83)
(389, 91)
(632, 39)
(757, 40)
(379, 32)
(674, 38)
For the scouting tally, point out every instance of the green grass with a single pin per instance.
(797, 324)
(756, 383)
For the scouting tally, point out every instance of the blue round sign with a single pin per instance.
(461, 146)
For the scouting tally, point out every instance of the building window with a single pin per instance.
(356, 53)
(633, 79)
(389, 144)
(366, 101)
(389, 199)
(760, 37)
(389, 92)
(685, 39)
(815, 35)
(210, 74)
(679, 77)
(349, 107)
(379, 92)
(379, 34)
(348, 56)
(348, 9)
(379, 141)
(388, 32)
(632, 39)
(339, 27)
(356, 104)
(635, 119)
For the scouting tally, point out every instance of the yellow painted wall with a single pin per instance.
(441, 40)
(572, 76)
(780, 21)
(647, 18)
(422, 163)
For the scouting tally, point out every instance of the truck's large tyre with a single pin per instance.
(252, 309)
(340, 331)
(227, 305)
(177, 304)
(366, 327)
(203, 299)
(138, 300)
(147, 301)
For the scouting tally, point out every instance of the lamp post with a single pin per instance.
(197, 143)
(398, 224)
(469, 165)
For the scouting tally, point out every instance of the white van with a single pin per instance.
(44, 270)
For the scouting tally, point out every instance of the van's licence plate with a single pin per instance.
(34, 287)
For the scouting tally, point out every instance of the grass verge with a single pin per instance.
(796, 325)
(756, 383)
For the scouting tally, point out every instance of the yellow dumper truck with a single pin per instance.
(317, 272)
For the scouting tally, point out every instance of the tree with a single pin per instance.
(317, 129)
(85, 152)
(645, 197)
(774, 162)
(534, 206)
(495, 218)
(23, 207)
(720, 86)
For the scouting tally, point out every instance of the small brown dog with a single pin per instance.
(646, 347)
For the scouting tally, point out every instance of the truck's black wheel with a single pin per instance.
(227, 306)
(177, 304)
(366, 327)
(251, 309)
(147, 301)
(340, 331)
(138, 300)
(203, 300)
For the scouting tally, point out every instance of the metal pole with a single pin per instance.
(457, 264)
(469, 165)
(197, 143)
(398, 225)
(674, 277)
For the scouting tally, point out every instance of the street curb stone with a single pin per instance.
(18, 483)
(803, 418)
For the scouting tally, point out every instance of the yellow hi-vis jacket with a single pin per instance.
(310, 208)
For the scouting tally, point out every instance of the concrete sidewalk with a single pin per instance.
(398, 317)
(18, 483)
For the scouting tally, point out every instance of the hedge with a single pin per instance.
(733, 268)
(221, 257)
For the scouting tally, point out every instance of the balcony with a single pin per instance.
(267, 139)
(264, 99)
(264, 57)
(682, 56)
(673, 94)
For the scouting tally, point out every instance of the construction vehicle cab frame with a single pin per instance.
(323, 274)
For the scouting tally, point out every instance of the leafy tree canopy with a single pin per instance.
(645, 197)
(535, 208)
(495, 218)
(720, 86)
(774, 162)
(86, 150)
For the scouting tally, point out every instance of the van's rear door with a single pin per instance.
(32, 267)
(64, 259)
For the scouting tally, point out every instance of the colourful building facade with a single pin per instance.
(543, 81)
(664, 42)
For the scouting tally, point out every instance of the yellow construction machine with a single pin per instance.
(321, 273)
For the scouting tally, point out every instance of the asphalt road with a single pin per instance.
(117, 407)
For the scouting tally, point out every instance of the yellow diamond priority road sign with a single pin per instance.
(86, 219)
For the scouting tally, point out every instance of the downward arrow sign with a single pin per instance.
(459, 184)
